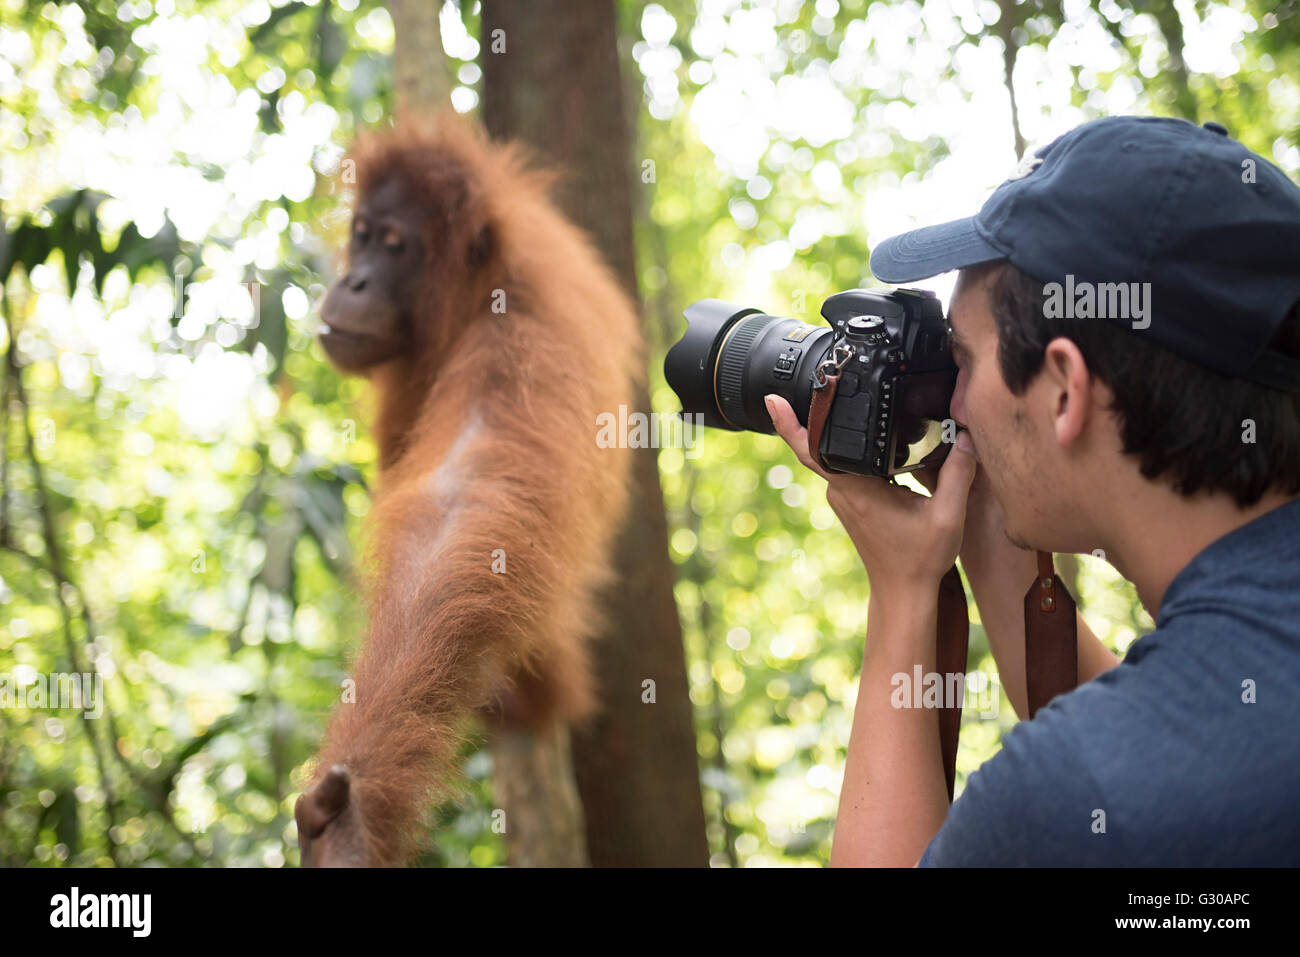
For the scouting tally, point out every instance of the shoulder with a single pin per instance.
(1038, 801)
(1145, 764)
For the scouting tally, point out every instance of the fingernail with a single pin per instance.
(964, 441)
(767, 401)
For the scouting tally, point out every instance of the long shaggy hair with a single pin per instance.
(494, 520)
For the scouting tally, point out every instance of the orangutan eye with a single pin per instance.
(393, 243)
(361, 230)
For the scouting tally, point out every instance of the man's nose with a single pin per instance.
(957, 406)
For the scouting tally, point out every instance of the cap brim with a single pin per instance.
(927, 252)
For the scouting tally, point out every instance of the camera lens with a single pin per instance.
(731, 357)
(889, 410)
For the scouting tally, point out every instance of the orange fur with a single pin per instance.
(487, 436)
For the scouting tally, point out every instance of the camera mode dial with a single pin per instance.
(867, 330)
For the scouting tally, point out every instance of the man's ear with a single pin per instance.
(1070, 387)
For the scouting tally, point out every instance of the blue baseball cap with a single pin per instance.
(1207, 230)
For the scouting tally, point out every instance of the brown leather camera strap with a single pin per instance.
(817, 412)
(951, 646)
(1051, 639)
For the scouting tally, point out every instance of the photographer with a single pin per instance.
(1168, 436)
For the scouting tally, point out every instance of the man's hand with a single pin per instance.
(984, 535)
(905, 540)
(999, 573)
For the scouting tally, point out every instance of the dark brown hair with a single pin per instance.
(1183, 421)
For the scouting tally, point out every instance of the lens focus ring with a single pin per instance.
(732, 360)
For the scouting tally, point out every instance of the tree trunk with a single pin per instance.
(1171, 28)
(422, 81)
(533, 778)
(551, 78)
(1007, 24)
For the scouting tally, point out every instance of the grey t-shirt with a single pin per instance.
(1186, 753)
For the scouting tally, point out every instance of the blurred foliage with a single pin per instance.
(182, 474)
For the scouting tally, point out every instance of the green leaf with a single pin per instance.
(6, 250)
(135, 252)
(268, 117)
(280, 540)
(66, 825)
(330, 45)
(263, 32)
(271, 330)
(31, 245)
(322, 508)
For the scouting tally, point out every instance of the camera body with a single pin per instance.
(895, 385)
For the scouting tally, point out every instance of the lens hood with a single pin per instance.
(688, 367)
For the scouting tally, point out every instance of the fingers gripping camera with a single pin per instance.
(896, 379)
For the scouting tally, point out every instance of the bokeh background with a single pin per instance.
(181, 486)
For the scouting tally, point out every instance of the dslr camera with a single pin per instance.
(893, 353)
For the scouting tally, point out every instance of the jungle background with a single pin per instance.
(183, 476)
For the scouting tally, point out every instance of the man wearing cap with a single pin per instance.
(1127, 332)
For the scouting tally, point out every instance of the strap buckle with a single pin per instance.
(840, 354)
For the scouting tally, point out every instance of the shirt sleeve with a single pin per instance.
(1034, 803)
